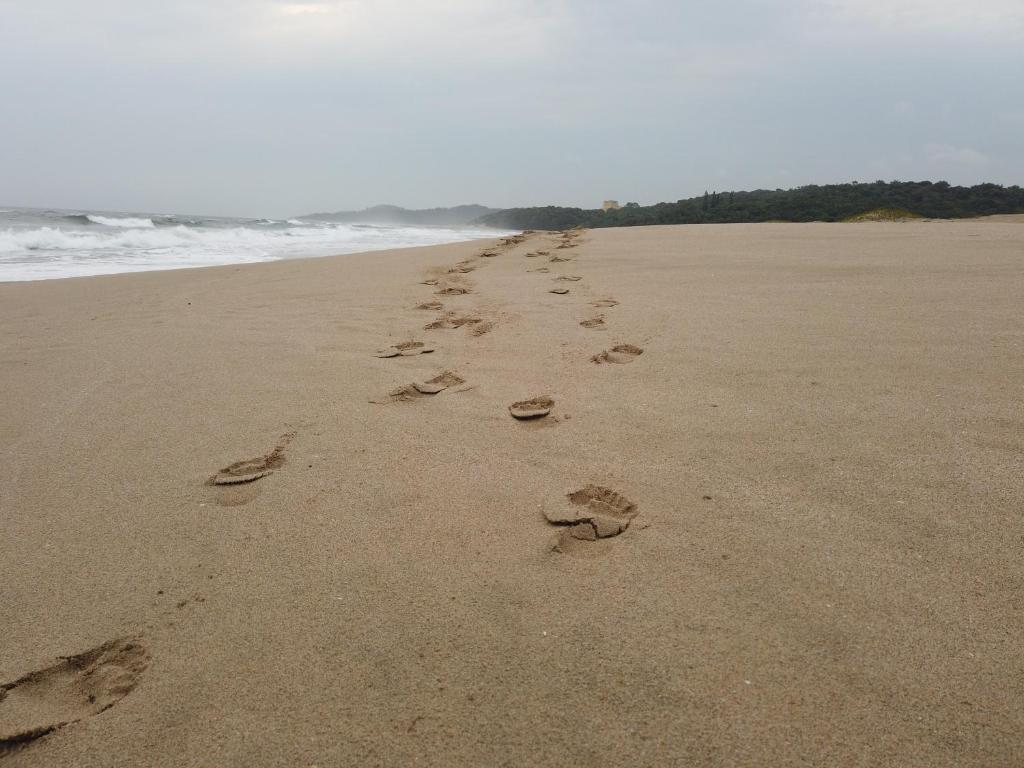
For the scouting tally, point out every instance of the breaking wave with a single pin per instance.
(109, 221)
(92, 244)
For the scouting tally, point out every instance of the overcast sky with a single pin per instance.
(263, 107)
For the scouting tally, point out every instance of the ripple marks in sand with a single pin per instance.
(620, 353)
(74, 688)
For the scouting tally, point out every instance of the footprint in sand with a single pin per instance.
(559, 291)
(594, 322)
(620, 353)
(248, 470)
(73, 689)
(535, 408)
(405, 349)
(235, 483)
(461, 269)
(431, 305)
(477, 325)
(543, 270)
(431, 281)
(419, 389)
(601, 303)
(558, 259)
(569, 278)
(593, 513)
(453, 290)
(537, 253)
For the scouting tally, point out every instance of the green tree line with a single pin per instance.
(831, 202)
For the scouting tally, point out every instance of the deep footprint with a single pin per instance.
(593, 322)
(535, 408)
(420, 389)
(248, 470)
(594, 512)
(620, 353)
(74, 688)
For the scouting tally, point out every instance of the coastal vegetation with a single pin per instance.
(831, 202)
(884, 214)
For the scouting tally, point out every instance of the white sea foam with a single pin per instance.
(110, 221)
(48, 252)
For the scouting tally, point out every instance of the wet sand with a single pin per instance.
(773, 515)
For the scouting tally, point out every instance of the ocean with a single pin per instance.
(41, 244)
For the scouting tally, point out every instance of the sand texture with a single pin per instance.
(772, 516)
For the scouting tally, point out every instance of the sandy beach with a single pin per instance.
(773, 517)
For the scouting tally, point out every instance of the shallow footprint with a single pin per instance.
(431, 305)
(607, 302)
(452, 321)
(535, 408)
(405, 349)
(453, 290)
(74, 688)
(559, 291)
(620, 353)
(593, 322)
(248, 470)
(569, 278)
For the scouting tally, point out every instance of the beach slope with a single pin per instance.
(772, 516)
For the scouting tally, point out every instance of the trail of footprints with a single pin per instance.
(88, 683)
(593, 512)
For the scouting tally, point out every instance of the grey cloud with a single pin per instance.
(273, 108)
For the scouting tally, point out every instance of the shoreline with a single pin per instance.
(808, 432)
(497, 234)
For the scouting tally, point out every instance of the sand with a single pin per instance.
(810, 436)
